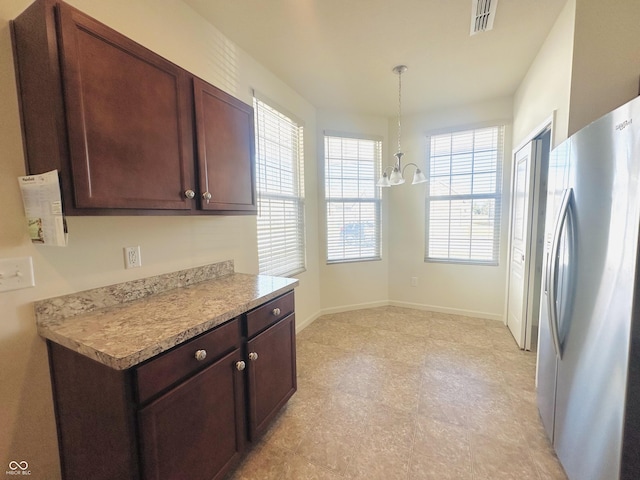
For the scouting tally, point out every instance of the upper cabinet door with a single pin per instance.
(128, 119)
(226, 150)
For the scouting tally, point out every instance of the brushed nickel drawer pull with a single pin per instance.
(240, 365)
(276, 311)
(201, 355)
(253, 356)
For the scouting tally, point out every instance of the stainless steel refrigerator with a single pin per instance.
(588, 378)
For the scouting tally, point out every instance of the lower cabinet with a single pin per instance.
(187, 413)
(195, 431)
(272, 373)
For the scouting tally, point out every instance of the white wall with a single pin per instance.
(606, 59)
(588, 65)
(547, 85)
(94, 255)
(462, 289)
(357, 284)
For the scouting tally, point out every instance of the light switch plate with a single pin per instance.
(16, 273)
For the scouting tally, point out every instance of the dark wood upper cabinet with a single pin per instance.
(225, 142)
(127, 118)
(117, 121)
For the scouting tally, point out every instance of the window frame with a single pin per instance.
(267, 261)
(497, 195)
(375, 200)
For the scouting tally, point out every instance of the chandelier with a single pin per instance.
(397, 171)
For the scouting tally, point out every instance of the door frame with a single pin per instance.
(537, 197)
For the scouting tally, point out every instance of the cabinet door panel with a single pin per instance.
(196, 431)
(272, 376)
(128, 119)
(226, 145)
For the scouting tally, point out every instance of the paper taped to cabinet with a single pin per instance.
(43, 208)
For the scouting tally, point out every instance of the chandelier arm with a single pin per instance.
(405, 167)
(388, 167)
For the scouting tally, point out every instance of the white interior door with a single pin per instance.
(520, 242)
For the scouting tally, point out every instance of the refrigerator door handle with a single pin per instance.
(552, 267)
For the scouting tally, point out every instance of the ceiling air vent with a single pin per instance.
(483, 12)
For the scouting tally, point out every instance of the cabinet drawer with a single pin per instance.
(269, 313)
(170, 367)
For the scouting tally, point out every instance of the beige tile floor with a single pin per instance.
(397, 394)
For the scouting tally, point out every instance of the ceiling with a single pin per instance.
(339, 54)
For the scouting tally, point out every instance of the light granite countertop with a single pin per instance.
(124, 324)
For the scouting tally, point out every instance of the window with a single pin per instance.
(279, 182)
(464, 197)
(353, 200)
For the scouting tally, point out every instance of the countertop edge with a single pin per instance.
(164, 344)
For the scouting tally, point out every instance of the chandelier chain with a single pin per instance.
(399, 108)
(396, 176)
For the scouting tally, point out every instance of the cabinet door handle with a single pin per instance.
(189, 193)
(276, 311)
(206, 196)
(240, 365)
(253, 356)
(201, 355)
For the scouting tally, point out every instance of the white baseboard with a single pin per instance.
(452, 311)
(356, 306)
(307, 321)
(416, 306)
(345, 308)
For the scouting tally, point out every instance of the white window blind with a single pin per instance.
(280, 190)
(464, 199)
(353, 201)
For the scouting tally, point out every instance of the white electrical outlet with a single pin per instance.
(16, 273)
(414, 281)
(132, 257)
